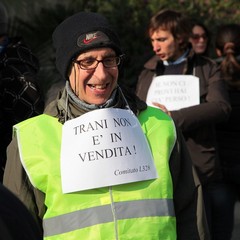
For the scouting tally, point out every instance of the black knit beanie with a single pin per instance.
(79, 33)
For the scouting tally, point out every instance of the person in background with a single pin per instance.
(16, 222)
(89, 58)
(169, 34)
(20, 95)
(227, 47)
(199, 38)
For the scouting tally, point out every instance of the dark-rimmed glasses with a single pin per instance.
(91, 63)
(198, 36)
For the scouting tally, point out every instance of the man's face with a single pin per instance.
(94, 86)
(165, 46)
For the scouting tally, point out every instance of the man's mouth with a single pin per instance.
(98, 86)
(161, 55)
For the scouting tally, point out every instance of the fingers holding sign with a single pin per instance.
(162, 107)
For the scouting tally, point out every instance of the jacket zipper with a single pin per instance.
(114, 213)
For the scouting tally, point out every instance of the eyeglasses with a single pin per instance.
(198, 36)
(91, 63)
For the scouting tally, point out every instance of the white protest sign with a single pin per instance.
(174, 91)
(103, 148)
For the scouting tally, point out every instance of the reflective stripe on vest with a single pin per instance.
(149, 204)
(103, 214)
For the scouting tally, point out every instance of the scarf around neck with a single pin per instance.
(70, 106)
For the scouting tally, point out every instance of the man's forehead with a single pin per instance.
(98, 51)
(160, 32)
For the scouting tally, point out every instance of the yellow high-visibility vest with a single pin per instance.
(138, 211)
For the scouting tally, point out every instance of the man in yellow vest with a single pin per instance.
(99, 163)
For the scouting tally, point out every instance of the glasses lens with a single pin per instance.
(88, 63)
(198, 36)
(91, 63)
(111, 62)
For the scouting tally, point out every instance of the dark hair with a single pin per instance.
(228, 43)
(172, 21)
(196, 22)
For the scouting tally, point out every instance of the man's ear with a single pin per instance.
(181, 43)
(179, 40)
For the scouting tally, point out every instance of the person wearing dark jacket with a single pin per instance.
(20, 95)
(93, 165)
(169, 34)
(16, 222)
(227, 46)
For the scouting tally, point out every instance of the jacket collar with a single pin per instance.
(155, 62)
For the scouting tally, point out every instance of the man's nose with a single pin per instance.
(100, 70)
(155, 47)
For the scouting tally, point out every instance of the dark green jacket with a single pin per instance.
(188, 202)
